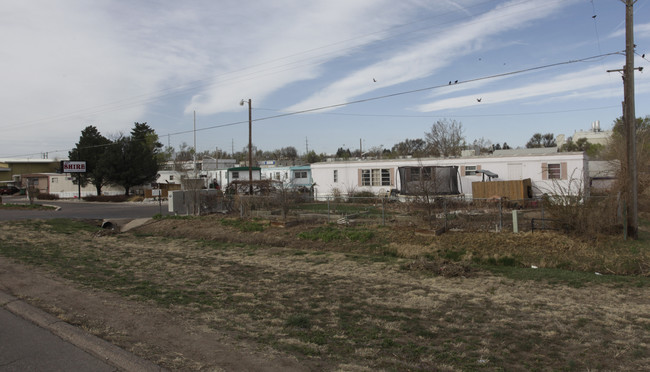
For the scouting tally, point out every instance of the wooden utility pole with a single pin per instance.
(250, 146)
(629, 126)
(194, 156)
(629, 120)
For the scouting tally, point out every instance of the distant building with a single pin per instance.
(594, 136)
(546, 171)
(12, 169)
(62, 185)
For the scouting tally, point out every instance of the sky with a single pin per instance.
(320, 74)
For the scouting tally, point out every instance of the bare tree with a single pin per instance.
(482, 146)
(446, 137)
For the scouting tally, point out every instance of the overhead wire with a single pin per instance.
(198, 84)
(385, 96)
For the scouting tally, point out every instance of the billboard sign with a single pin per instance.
(74, 167)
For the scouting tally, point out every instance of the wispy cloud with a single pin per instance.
(583, 83)
(640, 31)
(426, 57)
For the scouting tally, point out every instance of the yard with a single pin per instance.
(222, 293)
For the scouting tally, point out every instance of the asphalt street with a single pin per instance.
(81, 210)
(27, 347)
(32, 340)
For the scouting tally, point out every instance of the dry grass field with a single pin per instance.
(223, 294)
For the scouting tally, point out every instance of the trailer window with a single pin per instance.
(375, 177)
(554, 171)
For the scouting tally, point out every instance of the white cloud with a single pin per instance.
(640, 31)
(426, 57)
(583, 83)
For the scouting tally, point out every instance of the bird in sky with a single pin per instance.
(479, 99)
(593, 16)
(374, 80)
(449, 82)
(456, 82)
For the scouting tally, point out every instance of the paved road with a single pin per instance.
(83, 210)
(33, 340)
(27, 347)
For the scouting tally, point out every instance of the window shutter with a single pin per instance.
(563, 170)
(462, 170)
(544, 171)
(392, 176)
(359, 177)
(478, 167)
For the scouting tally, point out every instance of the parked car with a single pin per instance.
(8, 190)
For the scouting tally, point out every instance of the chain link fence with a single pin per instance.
(584, 215)
(448, 213)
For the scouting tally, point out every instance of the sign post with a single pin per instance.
(75, 167)
(158, 193)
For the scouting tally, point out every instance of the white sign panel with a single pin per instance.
(155, 192)
(74, 167)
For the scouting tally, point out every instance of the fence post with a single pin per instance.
(543, 220)
(444, 208)
(241, 207)
(500, 214)
(383, 213)
(328, 209)
(515, 222)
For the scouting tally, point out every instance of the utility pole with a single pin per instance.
(629, 124)
(194, 157)
(629, 118)
(250, 143)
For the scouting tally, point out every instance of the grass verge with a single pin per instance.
(345, 313)
(27, 206)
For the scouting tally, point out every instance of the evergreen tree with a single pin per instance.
(91, 148)
(134, 160)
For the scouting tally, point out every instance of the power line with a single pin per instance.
(463, 116)
(328, 107)
(219, 80)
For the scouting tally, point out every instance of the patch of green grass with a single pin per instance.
(576, 279)
(159, 216)
(298, 321)
(243, 225)
(61, 225)
(453, 255)
(27, 206)
(331, 233)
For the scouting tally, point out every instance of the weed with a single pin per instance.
(298, 321)
(454, 255)
(243, 225)
(331, 233)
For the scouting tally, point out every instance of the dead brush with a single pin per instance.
(572, 210)
(444, 268)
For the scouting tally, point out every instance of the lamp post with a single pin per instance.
(250, 144)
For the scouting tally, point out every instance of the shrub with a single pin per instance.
(572, 210)
(362, 197)
(47, 196)
(106, 198)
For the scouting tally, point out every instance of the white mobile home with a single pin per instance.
(547, 172)
(62, 185)
(291, 176)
